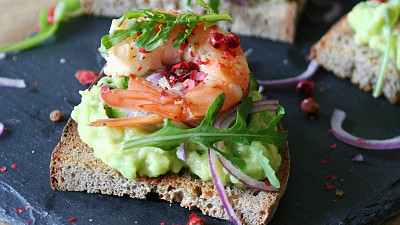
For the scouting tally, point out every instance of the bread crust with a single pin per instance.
(275, 20)
(338, 52)
(73, 167)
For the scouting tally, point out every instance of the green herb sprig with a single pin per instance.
(62, 11)
(214, 4)
(386, 54)
(147, 38)
(170, 136)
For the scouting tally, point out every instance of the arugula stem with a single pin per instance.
(385, 57)
(215, 17)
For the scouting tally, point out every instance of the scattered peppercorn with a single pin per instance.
(217, 40)
(71, 219)
(86, 77)
(309, 106)
(329, 186)
(232, 40)
(56, 115)
(306, 87)
(14, 165)
(142, 50)
(195, 220)
(2, 169)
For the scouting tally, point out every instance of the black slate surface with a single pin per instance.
(371, 188)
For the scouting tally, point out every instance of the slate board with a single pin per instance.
(371, 188)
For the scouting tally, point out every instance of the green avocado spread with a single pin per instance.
(150, 161)
(372, 29)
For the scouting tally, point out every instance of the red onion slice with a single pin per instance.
(220, 187)
(13, 83)
(181, 151)
(248, 52)
(1, 128)
(310, 71)
(153, 78)
(102, 70)
(226, 118)
(358, 158)
(244, 178)
(191, 124)
(3, 56)
(337, 119)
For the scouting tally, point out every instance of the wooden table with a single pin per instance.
(19, 19)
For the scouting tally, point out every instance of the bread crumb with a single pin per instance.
(56, 115)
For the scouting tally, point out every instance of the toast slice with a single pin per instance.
(73, 167)
(275, 20)
(338, 52)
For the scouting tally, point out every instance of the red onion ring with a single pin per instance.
(102, 69)
(310, 71)
(220, 187)
(1, 128)
(12, 83)
(181, 151)
(337, 119)
(227, 117)
(153, 78)
(223, 121)
(248, 52)
(244, 178)
(191, 124)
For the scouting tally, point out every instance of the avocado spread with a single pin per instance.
(149, 161)
(368, 21)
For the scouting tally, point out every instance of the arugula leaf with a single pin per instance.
(147, 39)
(170, 137)
(62, 10)
(268, 171)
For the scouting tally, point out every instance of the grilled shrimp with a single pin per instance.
(209, 62)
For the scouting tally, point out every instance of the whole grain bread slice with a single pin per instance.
(275, 20)
(338, 52)
(73, 167)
